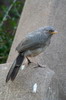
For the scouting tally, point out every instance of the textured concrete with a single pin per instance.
(40, 13)
(34, 15)
(22, 88)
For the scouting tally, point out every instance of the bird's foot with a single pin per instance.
(29, 62)
(40, 66)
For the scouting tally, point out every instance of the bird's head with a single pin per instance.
(50, 30)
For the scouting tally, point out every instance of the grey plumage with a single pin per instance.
(33, 40)
(15, 68)
(33, 44)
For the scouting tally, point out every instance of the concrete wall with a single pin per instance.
(35, 14)
(40, 13)
(22, 87)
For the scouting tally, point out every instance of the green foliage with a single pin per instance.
(8, 25)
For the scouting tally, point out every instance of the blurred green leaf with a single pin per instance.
(7, 30)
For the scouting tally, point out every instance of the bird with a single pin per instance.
(32, 45)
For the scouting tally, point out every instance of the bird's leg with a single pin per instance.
(28, 60)
(38, 65)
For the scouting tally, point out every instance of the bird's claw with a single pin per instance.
(39, 66)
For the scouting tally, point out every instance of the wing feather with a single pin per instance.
(32, 41)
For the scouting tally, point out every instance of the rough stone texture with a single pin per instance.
(40, 13)
(21, 88)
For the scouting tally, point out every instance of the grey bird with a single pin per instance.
(33, 44)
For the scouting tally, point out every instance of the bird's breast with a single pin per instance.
(32, 53)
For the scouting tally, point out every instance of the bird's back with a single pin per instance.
(33, 40)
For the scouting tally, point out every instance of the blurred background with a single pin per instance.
(10, 11)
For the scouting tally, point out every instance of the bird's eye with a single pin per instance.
(51, 30)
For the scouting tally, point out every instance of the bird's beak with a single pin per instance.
(55, 32)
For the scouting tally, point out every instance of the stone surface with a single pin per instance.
(22, 88)
(40, 13)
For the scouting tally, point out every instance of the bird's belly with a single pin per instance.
(32, 53)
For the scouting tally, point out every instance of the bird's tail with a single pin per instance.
(15, 68)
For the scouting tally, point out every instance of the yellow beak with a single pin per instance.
(55, 32)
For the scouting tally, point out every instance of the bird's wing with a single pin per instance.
(31, 41)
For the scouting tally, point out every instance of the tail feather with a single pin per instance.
(15, 68)
(14, 73)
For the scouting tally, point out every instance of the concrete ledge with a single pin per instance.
(40, 13)
(22, 87)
